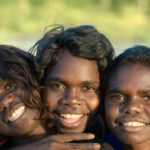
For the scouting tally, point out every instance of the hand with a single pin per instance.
(62, 142)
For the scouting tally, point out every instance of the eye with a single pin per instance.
(117, 98)
(89, 88)
(9, 85)
(146, 99)
(57, 86)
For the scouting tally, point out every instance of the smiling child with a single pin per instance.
(127, 98)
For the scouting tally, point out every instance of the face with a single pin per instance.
(15, 118)
(127, 104)
(72, 92)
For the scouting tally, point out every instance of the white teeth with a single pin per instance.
(17, 113)
(71, 115)
(134, 124)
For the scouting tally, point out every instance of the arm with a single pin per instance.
(62, 142)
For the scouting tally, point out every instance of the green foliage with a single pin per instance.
(38, 2)
(8, 2)
(121, 20)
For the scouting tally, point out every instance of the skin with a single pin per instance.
(25, 124)
(82, 97)
(127, 102)
(62, 142)
(72, 89)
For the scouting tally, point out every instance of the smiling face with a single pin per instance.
(72, 92)
(15, 118)
(127, 104)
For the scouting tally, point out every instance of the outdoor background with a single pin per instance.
(124, 22)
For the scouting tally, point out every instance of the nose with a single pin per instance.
(6, 101)
(72, 97)
(133, 106)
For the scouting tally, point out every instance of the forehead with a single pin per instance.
(69, 66)
(134, 75)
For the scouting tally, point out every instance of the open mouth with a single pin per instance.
(16, 114)
(133, 124)
(70, 120)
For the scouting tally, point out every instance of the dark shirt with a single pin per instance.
(112, 140)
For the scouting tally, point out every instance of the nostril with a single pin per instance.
(6, 101)
(71, 101)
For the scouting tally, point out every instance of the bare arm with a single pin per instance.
(62, 142)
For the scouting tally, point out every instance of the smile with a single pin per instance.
(70, 120)
(71, 116)
(16, 113)
(134, 124)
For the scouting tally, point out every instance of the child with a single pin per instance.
(22, 113)
(71, 63)
(127, 98)
(20, 103)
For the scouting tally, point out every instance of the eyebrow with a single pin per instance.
(63, 81)
(144, 92)
(90, 82)
(116, 90)
(55, 79)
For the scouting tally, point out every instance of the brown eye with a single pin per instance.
(146, 99)
(89, 88)
(117, 98)
(9, 85)
(56, 86)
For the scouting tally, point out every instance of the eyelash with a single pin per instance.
(146, 99)
(9, 85)
(117, 98)
(56, 86)
(89, 88)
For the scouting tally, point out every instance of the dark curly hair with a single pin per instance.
(18, 66)
(81, 41)
(137, 54)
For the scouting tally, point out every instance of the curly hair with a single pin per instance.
(81, 41)
(18, 67)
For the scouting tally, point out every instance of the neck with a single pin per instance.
(36, 135)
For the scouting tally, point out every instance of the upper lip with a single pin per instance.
(10, 110)
(123, 120)
(66, 110)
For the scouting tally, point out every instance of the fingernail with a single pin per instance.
(97, 146)
(91, 135)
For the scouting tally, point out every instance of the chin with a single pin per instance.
(75, 130)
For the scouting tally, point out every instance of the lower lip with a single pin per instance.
(70, 123)
(132, 129)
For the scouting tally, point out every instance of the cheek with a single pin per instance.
(111, 111)
(51, 99)
(147, 109)
(93, 103)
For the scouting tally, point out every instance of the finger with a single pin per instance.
(72, 137)
(78, 146)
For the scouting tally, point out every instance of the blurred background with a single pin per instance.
(124, 22)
